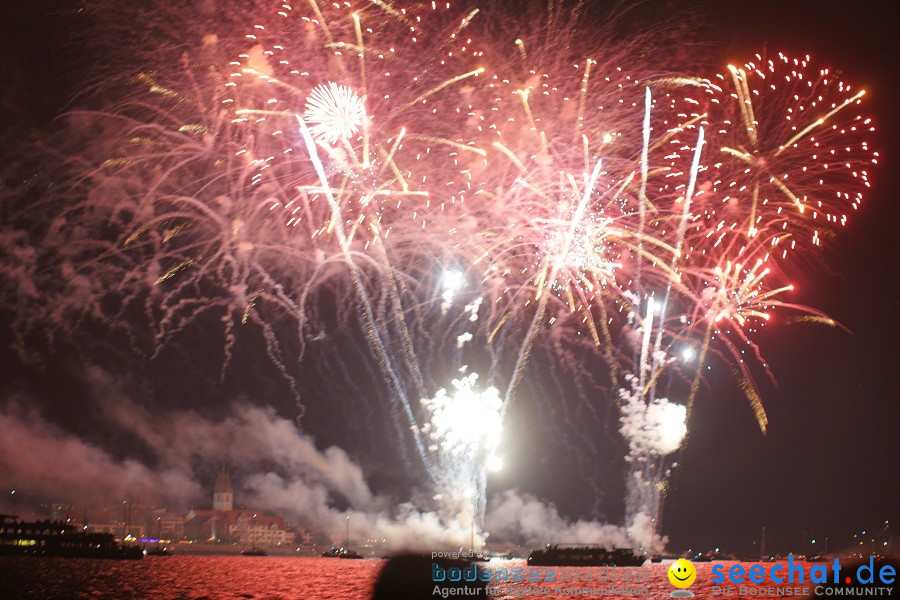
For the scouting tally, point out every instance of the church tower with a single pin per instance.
(223, 494)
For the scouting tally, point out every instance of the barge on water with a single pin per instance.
(574, 555)
(51, 538)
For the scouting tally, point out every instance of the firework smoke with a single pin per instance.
(456, 196)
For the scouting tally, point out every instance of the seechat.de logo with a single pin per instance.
(873, 576)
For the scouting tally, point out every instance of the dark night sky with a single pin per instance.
(827, 465)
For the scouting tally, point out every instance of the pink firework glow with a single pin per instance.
(459, 192)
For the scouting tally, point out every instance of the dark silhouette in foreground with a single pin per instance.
(412, 577)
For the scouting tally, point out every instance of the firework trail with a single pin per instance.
(366, 179)
(464, 427)
(716, 287)
(466, 190)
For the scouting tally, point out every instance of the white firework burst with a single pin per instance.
(464, 421)
(333, 112)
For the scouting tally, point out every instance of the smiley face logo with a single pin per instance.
(682, 573)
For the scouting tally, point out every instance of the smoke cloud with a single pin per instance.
(275, 466)
(524, 519)
(42, 460)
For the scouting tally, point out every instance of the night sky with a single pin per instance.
(827, 466)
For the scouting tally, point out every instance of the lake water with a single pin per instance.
(285, 578)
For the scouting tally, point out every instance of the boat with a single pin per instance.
(666, 557)
(572, 555)
(52, 538)
(710, 556)
(158, 552)
(341, 553)
(701, 557)
(254, 551)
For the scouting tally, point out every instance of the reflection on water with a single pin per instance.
(188, 577)
(275, 578)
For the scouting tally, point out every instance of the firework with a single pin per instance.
(464, 429)
(457, 195)
(335, 112)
